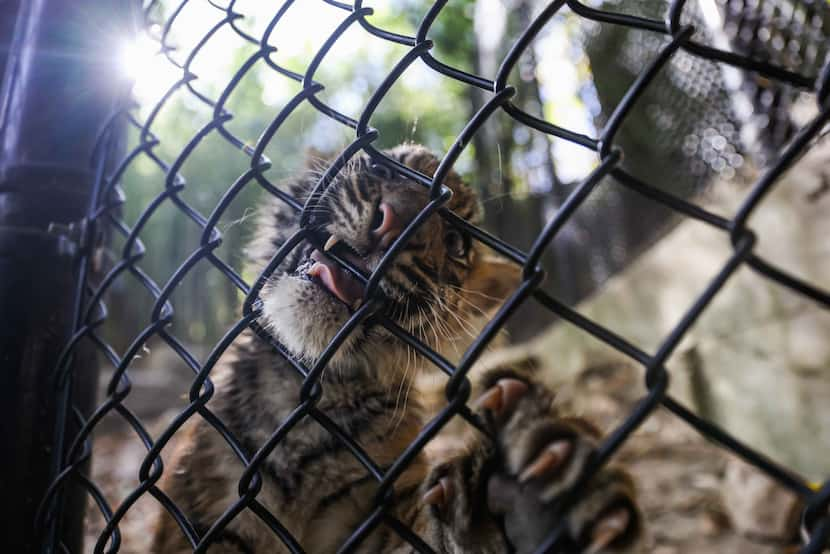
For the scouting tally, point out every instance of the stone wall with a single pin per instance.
(758, 360)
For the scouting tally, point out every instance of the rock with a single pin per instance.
(758, 506)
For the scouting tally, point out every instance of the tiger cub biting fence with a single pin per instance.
(496, 493)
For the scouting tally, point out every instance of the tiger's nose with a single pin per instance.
(387, 225)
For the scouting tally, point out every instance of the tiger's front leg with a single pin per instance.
(513, 481)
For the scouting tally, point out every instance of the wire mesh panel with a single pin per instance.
(128, 263)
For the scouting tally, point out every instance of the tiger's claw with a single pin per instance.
(439, 494)
(503, 397)
(608, 529)
(551, 459)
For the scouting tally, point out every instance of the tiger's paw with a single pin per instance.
(540, 457)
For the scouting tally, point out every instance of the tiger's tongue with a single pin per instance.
(336, 280)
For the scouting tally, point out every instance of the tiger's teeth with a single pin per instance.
(331, 243)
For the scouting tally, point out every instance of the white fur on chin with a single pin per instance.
(304, 318)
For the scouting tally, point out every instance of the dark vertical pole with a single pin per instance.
(58, 92)
(8, 15)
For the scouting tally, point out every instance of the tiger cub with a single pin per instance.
(493, 494)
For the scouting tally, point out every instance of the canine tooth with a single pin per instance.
(331, 243)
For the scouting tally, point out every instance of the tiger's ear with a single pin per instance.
(492, 280)
(316, 160)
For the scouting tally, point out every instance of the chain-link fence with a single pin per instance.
(105, 221)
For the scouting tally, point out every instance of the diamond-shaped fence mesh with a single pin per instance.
(768, 57)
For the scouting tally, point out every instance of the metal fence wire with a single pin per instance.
(106, 218)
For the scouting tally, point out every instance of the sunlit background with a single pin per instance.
(362, 59)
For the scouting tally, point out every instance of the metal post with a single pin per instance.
(59, 90)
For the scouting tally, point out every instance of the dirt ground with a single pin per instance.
(690, 497)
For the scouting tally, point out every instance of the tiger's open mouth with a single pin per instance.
(338, 281)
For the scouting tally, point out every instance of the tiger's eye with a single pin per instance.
(377, 218)
(382, 171)
(457, 244)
